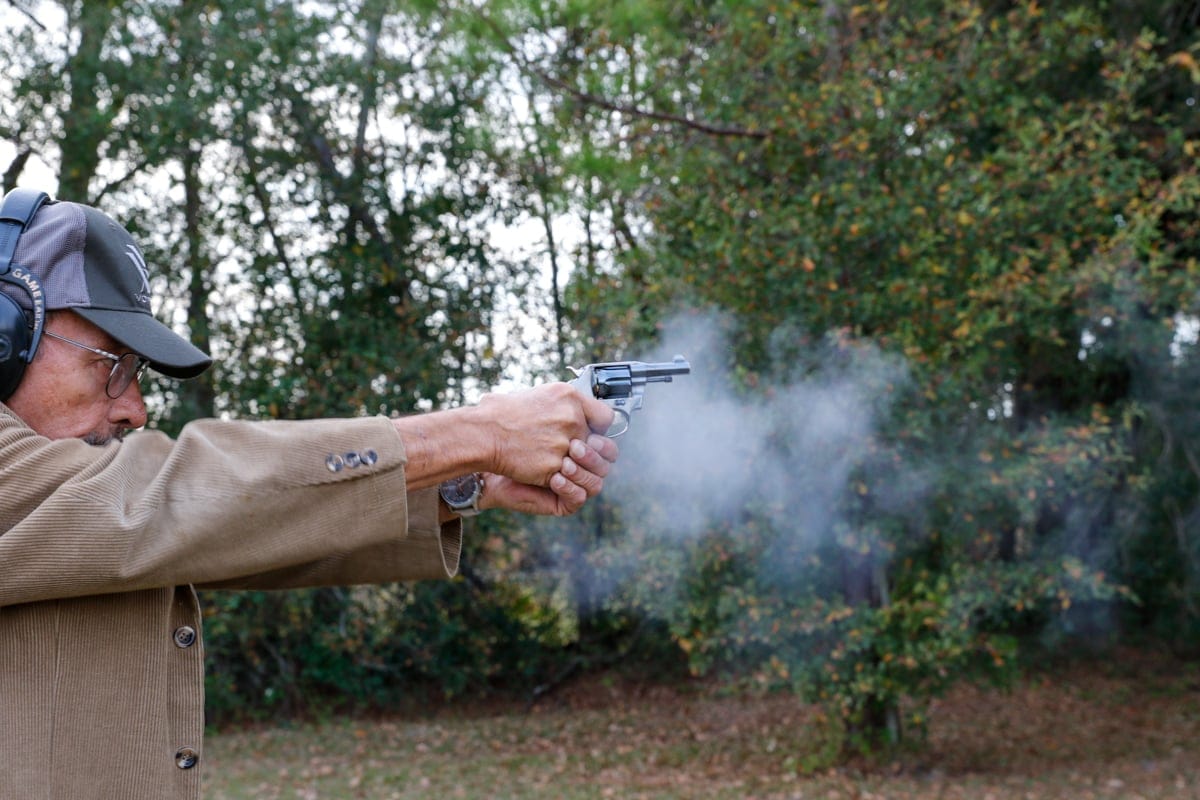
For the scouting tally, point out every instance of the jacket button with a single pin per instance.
(352, 460)
(369, 457)
(184, 636)
(334, 463)
(186, 757)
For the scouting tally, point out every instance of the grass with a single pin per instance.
(1127, 729)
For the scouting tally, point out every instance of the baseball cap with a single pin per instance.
(88, 263)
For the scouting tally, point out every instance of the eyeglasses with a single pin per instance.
(125, 370)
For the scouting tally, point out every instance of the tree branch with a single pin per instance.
(708, 128)
(15, 168)
(28, 15)
(369, 89)
(340, 186)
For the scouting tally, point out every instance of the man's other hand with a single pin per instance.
(580, 477)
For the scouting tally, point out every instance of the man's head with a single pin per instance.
(96, 289)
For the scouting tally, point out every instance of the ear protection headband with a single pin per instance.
(19, 338)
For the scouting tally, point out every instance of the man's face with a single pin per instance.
(62, 394)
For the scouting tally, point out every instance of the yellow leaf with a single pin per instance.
(1182, 59)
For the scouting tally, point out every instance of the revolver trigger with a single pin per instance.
(620, 424)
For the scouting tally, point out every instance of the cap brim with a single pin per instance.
(167, 351)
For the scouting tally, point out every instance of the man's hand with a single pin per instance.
(580, 477)
(533, 429)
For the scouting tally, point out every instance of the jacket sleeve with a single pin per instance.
(248, 504)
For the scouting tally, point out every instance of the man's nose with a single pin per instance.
(129, 410)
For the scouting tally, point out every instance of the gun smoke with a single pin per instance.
(805, 456)
(705, 453)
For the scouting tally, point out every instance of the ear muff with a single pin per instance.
(14, 344)
(20, 334)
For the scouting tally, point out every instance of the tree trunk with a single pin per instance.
(84, 126)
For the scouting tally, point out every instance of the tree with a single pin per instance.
(320, 201)
(999, 193)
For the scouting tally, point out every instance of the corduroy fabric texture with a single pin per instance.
(100, 696)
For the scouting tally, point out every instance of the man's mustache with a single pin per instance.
(97, 439)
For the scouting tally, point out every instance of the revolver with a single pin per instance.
(622, 384)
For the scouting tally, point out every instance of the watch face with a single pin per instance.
(460, 491)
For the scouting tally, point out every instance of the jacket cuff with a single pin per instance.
(424, 506)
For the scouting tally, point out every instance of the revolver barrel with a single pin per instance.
(624, 378)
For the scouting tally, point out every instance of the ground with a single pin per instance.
(1125, 728)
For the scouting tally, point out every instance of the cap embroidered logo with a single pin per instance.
(135, 256)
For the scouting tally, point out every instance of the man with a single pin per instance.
(103, 535)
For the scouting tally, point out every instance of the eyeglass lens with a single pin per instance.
(126, 369)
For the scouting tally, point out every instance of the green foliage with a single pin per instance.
(1003, 194)
(938, 630)
(372, 647)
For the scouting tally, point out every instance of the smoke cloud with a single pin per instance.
(704, 451)
(771, 474)
(706, 454)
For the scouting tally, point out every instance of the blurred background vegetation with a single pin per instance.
(389, 206)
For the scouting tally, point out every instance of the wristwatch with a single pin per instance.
(462, 494)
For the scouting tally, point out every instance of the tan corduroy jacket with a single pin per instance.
(101, 657)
